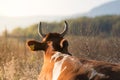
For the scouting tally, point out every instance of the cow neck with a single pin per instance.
(48, 53)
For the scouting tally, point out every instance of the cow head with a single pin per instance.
(50, 41)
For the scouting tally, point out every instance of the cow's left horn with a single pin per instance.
(65, 29)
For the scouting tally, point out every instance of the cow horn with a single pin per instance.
(65, 29)
(40, 30)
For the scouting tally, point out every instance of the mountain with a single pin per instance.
(111, 8)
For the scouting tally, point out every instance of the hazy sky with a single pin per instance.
(47, 7)
(18, 8)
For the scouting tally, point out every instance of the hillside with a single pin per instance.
(111, 8)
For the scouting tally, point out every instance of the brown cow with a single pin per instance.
(59, 64)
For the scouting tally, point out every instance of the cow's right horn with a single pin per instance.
(65, 29)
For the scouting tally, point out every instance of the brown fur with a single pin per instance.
(75, 69)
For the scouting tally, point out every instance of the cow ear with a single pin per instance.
(35, 45)
(64, 46)
(63, 43)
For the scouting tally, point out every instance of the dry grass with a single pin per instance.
(104, 49)
(17, 63)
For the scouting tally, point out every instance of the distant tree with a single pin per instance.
(82, 26)
(116, 29)
(18, 31)
(5, 33)
(31, 31)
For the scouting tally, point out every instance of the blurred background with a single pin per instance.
(94, 32)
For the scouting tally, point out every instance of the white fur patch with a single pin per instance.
(55, 56)
(64, 69)
(58, 65)
(94, 73)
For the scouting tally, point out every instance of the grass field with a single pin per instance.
(18, 63)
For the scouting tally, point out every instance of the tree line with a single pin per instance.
(104, 26)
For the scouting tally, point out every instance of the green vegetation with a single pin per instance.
(104, 26)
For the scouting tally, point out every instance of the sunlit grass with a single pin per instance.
(18, 63)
